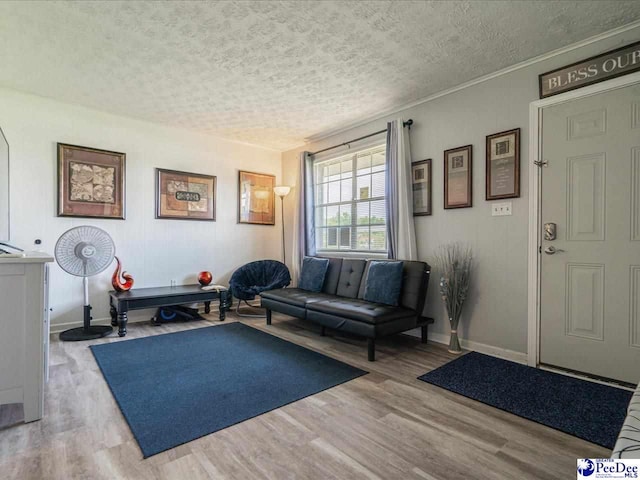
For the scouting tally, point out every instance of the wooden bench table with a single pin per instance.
(139, 298)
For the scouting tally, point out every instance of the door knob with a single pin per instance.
(551, 250)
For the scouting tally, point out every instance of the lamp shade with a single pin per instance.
(282, 190)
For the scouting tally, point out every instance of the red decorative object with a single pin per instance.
(205, 278)
(115, 279)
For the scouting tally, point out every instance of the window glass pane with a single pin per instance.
(377, 161)
(332, 215)
(378, 238)
(345, 214)
(364, 164)
(322, 193)
(320, 216)
(346, 187)
(345, 238)
(377, 184)
(378, 213)
(362, 238)
(347, 168)
(363, 213)
(334, 192)
(333, 171)
(321, 238)
(364, 187)
(332, 237)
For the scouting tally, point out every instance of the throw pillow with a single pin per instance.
(384, 282)
(313, 272)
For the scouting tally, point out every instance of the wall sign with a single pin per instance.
(605, 66)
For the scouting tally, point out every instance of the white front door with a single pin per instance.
(590, 274)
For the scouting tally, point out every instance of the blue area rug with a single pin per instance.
(177, 387)
(580, 408)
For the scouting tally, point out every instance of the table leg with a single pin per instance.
(122, 324)
(207, 307)
(223, 305)
(114, 316)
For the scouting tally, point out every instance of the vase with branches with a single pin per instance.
(454, 261)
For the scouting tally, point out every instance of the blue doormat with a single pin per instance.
(177, 387)
(578, 407)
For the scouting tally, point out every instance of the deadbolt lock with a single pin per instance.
(549, 231)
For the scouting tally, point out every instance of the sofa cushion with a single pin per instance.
(410, 295)
(332, 276)
(383, 282)
(361, 310)
(295, 296)
(313, 272)
(350, 277)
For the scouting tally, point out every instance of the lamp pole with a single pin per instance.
(282, 191)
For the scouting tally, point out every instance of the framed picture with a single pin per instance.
(503, 165)
(256, 200)
(421, 183)
(91, 182)
(458, 167)
(185, 196)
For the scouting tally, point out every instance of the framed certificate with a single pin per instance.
(458, 163)
(503, 165)
(421, 183)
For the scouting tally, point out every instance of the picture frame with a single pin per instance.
(503, 165)
(256, 199)
(185, 195)
(422, 186)
(91, 182)
(458, 174)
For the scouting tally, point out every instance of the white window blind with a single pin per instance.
(349, 194)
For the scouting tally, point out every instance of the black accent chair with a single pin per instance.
(251, 279)
(341, 306)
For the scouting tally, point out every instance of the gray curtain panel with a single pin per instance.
(390, 187)
(306, 225)
(401, 235)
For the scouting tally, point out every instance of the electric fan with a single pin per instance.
(85, 251)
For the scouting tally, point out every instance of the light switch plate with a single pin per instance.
(500, 209)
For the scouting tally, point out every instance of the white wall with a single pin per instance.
(153, 251)
(496, 312)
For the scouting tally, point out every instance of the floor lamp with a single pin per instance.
(282, 191)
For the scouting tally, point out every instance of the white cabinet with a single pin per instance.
(24, 332)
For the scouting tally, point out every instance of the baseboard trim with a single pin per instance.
(139, 318)
(490, 350)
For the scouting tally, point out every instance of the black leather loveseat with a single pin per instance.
(340, 304)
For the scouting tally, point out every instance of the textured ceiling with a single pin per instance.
(275, 73)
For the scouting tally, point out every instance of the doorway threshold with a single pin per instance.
(591, 378)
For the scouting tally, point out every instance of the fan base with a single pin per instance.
(80, 333)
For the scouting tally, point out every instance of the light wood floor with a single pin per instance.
(384, 425)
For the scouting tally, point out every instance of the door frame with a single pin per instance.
(535, 220)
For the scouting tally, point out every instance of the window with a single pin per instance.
(349, 194)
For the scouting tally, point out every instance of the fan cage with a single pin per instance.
(65, 251)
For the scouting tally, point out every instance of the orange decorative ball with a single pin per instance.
(205, 278)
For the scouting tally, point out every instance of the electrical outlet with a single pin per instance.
(500, 209)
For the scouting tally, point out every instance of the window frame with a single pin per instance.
(337, 251)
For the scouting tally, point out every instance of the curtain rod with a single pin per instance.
(408, 123)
